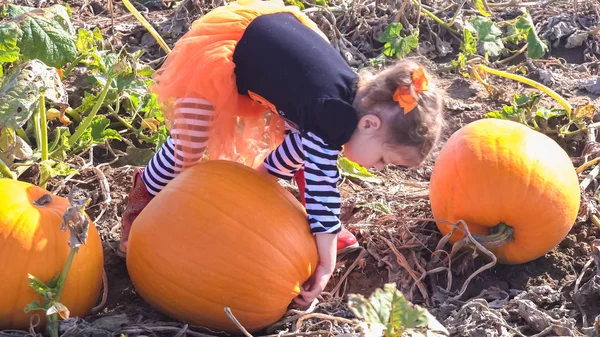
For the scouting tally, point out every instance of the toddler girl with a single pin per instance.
(257, 82)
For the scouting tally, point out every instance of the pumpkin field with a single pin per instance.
(495, 234)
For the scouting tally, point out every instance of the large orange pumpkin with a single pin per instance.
(31, 242)
(503, 178)
(221, 235)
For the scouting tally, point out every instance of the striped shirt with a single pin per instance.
(298, 150)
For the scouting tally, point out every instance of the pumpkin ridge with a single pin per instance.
(251, 229)
(24, 285)
(462, 182)
(11, 318)
(197, 295)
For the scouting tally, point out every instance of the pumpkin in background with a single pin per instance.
(31, 242)
(493, 172)
(221, 235)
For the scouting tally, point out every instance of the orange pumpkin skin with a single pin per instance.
(31, 242)
(221, 235)
(493, 171)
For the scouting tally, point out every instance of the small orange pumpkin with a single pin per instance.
(503, 178)
(221, 235)
(31, 242)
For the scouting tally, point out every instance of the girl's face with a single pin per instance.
(368, 148)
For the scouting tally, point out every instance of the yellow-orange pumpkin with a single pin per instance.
(31, 242)
(495, 171)
(221, 235)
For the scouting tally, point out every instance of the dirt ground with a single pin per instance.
(555, 295)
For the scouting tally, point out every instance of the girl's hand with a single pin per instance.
(327, 248)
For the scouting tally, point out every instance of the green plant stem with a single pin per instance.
(74, 114)
(506, 39)
(129, 126)
(55, 143)
(436, 19)
(500, 235)
(21, 133)
(60, 285)
(43, 127)
(89, 118)
(513, 56)
(5, 170)
(567, 134)
(36, 130)
(532, 83)
(73, 65)
(456, 12)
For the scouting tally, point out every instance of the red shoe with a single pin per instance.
(346, 242)
(138, 199)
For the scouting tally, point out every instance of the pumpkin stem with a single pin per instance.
(500, 235)
(43, 200)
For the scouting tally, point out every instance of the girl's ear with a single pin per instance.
(369, 123)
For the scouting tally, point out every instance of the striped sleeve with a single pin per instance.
(287, 158)
(321, 193)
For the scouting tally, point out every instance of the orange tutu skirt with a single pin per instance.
(201, 66)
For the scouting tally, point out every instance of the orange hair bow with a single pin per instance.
(402, 94)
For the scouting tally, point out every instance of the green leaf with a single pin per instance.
(488, 35)
(9, 34)
(521, 99)
(395, 44)
(85, 41)
(99, 131)
(46, 34)
(51, 168)
(469, 44)
(34, 306)
(547, 113)
(387, 309)
(21, 90)
(353, 170)
(38, 286)
(536, 48)
(507, 112)
(482, 8)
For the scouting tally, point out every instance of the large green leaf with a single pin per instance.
(536, 48)
(489, 35)
(21, 90)
(9, 34)
(46, 34)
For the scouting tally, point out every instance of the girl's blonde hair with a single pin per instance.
(421, 127)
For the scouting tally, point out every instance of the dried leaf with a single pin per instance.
(75, 217)
(584, 111)
(151, 124)
(60, 309)
(576, 39)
